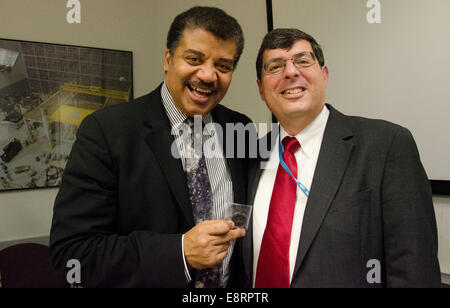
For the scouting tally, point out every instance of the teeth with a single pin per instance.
(202, 90)
(294, 91)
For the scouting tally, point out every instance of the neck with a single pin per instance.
(295, 124)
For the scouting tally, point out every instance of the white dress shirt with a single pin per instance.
(218, 173)
(310, 140)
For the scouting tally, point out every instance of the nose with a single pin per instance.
(207, 73)
(291, 70)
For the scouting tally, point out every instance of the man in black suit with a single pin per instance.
(356, 210)
(128, 204)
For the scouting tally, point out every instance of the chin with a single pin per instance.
(197, 109)
(296, 107)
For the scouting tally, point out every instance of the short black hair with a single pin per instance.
(285, 38)
(210, 19)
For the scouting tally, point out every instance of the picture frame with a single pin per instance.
(46, 90)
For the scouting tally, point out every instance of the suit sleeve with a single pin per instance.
(410, 233)
(84, 225)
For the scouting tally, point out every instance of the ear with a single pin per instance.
(260, 88)
(167, 59)
(325, 74)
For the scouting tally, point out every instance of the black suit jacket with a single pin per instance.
(123, 203)
(370, 199)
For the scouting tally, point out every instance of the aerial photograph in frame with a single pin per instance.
(46, 90)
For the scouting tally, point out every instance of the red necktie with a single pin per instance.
(273, 262)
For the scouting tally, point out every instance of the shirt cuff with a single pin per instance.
(186, 269)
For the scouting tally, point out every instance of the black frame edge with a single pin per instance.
(440, 187)
(269, 12)
(269, 15)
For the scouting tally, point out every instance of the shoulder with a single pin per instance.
(124, 114)
(369, 128)
(375, 135)
(126, 111)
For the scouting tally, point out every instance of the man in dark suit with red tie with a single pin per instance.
(341, 201)
(132, 203)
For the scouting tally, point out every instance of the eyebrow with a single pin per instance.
(297, 54)
(202, 55)
(196, 52)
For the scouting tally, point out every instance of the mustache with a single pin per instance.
(200, 84)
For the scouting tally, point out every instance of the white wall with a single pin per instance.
(442, 208)
(26, 214)
(137, 25)
(396, 70)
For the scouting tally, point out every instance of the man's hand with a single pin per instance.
(207, 243)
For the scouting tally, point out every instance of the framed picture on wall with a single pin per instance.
(46, 90)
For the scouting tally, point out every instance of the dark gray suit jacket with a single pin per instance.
(123, 203)
(370, 199)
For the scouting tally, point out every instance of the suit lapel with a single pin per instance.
(160, 140)
(333, 158)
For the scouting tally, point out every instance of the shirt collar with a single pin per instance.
(310, 137)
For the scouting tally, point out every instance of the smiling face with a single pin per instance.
(295, 96)
(199, 72)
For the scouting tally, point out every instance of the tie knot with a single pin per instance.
(195, 122)
(190, 122)
(290, 144)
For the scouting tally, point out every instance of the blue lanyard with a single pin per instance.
(286, 168)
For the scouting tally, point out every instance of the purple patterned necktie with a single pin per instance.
(201, 200)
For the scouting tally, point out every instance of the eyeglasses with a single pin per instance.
(300, 60)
